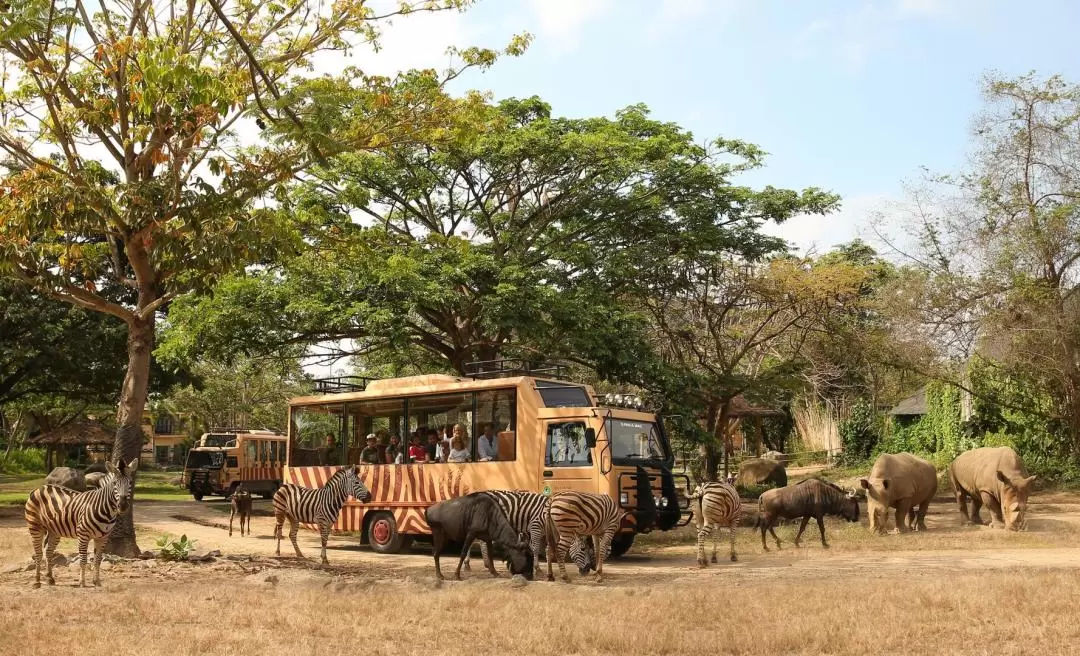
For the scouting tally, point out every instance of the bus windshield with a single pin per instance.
(634, 440)
(208, 459)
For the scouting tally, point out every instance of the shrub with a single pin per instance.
(24, 461)
(175, 550)
(859, 434)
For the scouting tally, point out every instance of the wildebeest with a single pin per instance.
(241, 505)
(813, 497)
(472, 517)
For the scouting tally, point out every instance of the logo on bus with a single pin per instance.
(547, 490)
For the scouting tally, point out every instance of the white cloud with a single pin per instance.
(560, 22)
(857, 218)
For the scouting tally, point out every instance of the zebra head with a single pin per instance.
(354, 486)
(581, 554)
(118, 483)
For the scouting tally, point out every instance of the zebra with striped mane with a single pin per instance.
(715, 504)
(319, 506)
(54, 512)
(573, 516)
(527, 514)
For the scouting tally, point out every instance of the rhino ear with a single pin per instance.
(1003, 478)
(884, 483)
(865, 483)
(1030, 479)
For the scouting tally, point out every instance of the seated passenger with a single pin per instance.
(458, 452)
(434, 446)
(463, 433)
(333, 455)
(370, 454)
(394, 451)
(488, 446)
(416, 451)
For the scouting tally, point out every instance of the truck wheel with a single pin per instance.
(198, 495)
(382, 533)
(272, 492)
(621, 543)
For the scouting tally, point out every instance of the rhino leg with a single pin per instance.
(976, 505)
(961, 502)
(919, 524)
(901, 517)
(996, 521)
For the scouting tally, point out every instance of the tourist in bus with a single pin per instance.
(460, 431)
(370, 454)
(332, 452)
(458, 452)
(434, 447)
(394, 451)
(488, 445)
(417, 452)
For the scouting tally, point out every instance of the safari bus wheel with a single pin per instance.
(198, 495)
(621, 543)
(382, 533)
(272, 492)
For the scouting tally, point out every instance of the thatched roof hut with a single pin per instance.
(912, 406)
(87, 433)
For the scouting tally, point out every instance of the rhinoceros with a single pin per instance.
(901, 481)
(994, 476)
(759, 471)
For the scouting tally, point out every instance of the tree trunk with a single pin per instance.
(129, 437)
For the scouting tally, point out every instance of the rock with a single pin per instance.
(68, 477)
(92, 479)
(96, 468)
(518, 581)
(19, 567)
(60, 560)
(148, 555)
(207, 557)
(758, 471)
(272, 579)
(106, 565)
(776, 456)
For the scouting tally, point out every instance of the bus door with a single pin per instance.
(567, 460)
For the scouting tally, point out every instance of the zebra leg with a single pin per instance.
(99, 551)
(802, 527)
(37, 537)
(324, 535)
(279, 520)
(52, 540)
(715, 541)
(536, 545)
(84, 543)
(731, 532)
(561, 550)
(294, 528)
(702, 533)
(601, 549)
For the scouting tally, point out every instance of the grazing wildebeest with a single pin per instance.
(241, 505)
(472, 517)
(810, 498)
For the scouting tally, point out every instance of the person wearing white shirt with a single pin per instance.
(488, 446)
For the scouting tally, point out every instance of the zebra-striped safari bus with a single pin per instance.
(517, 429)
(224, 459)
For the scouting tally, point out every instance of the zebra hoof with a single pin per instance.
(714, 558)
(702, 564)
(734, 559)
(551, 579)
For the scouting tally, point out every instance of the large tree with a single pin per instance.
(123, 161)
(517, 240)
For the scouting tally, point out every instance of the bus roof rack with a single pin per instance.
(342, 384)
(507, 367)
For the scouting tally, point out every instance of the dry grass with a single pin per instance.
(312, 613)
(817, 425)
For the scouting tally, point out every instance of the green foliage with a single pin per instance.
(860, 433)
(938, 431)
(173, 549)
(27, 460)
(753, 491)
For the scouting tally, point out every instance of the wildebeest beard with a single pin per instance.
(520, 561)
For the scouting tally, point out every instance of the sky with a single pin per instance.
(853, 96)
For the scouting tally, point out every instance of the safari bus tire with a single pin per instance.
(621, 543)
(198, 495)
(272, 492)
(382, 533)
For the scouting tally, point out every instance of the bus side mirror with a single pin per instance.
(590, 437)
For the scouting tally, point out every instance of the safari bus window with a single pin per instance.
(251, 451)
(274, 455)
(561, 395)
(634, 439)
(380, 417)
(316, 432)
(496, 423)
(442, 412)
(566, 445)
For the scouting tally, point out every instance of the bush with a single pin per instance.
(24, 461)
(859, 434)
(175, 549)
(752, 491)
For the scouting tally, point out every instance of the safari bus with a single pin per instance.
(223, 459)
(521, 428)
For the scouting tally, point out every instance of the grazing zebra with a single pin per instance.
(54, 512)
(573, 516)
(316, 506)
(527, 513)
(716, 504)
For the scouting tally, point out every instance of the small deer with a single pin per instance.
(241, 505)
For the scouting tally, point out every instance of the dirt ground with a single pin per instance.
(952, 589)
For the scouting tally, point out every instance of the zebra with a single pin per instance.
(716, 504)
(54, 512)
(316, 506)
(572, 516)
(527, 513)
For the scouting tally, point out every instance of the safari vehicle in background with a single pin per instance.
(550, 435)
(223, 459)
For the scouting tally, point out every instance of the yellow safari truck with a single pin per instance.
(222, 460)
(519, 429)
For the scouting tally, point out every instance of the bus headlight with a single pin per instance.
(662, 502)
(624, 498)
